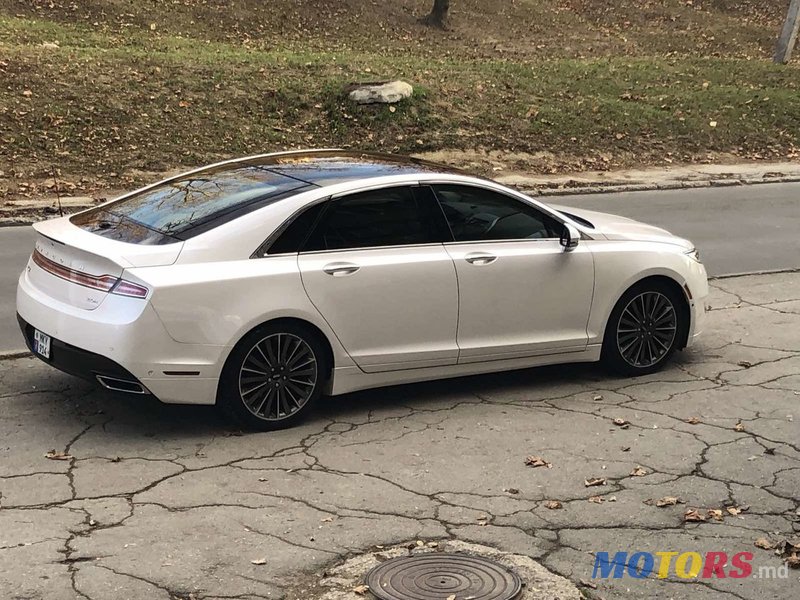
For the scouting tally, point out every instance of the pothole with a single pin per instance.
(448, 570)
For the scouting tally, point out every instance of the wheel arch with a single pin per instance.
(322, 338)
(675, 286)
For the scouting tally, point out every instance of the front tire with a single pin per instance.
(644, 329)
(273, 377)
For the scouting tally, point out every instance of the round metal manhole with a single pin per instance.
(439, 576)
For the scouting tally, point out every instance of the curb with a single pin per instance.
(652, 187)
(13, 354)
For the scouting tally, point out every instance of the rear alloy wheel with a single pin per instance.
(643, 330)
(272, 377)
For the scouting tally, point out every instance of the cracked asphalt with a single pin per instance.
(159, 502)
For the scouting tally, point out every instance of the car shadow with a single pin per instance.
(146, 416)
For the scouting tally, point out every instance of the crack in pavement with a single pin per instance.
(425, 462)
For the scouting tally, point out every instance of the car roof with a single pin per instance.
(329, 167)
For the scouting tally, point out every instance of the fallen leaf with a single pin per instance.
(361, 589)
(764, 544)
(621, 422)
(596, 499)
(638, 472)
(537, 461)
(793, 562)
(593, 481)
(259, 561)
(739, 426)
(693, 420)
(733, 510)
(693, 515)
(715, 514)
(53, 455)
(553, 504)
(667, 501)
(451, 597)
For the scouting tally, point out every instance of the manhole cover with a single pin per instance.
(438, 576)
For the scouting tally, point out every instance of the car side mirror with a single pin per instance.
(570, 237)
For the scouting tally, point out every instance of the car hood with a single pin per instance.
(615, 227)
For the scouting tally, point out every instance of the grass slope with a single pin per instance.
(576, 83)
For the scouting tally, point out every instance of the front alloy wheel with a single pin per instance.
(644, 329)
(273, 376)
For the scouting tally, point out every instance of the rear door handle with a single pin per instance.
(340, 269)
(480, 258)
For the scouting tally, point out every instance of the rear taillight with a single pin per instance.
(127, 288)
(104, 283)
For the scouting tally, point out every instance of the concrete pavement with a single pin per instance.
(737, 229)
(145, 501)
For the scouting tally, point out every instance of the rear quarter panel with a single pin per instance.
(219, 302)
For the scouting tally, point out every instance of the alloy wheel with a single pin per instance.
(646, 329)
(278, 376)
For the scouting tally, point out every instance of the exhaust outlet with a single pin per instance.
(121, 385)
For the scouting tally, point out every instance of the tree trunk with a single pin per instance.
(438, 16)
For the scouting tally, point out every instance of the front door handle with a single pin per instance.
(480, 258)
(340, 269)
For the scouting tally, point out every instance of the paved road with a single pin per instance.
(156, 502)
(738, 229)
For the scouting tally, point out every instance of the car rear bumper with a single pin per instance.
(124, 339)
(82, 363)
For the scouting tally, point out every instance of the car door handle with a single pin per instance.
(480, 258)
(340, 269)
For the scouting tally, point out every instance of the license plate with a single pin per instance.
(41, 343)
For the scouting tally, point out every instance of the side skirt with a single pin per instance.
(351, 379)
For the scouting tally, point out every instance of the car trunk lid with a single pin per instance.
(79, 268)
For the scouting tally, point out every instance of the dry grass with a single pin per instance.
(591, 83)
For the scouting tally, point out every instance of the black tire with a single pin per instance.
(261, 382)
(638, 346)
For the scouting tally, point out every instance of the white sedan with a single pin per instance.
(261, 283)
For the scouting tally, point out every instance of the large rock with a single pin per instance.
(387, 92)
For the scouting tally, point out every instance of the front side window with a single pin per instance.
(477, 214)
(386, 217)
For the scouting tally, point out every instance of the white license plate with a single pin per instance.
(41, 343)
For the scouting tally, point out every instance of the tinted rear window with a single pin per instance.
(207, 197)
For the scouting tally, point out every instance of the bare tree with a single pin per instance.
(438, 16)
(783, 52)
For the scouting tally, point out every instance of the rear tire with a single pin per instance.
(644, 329)
(273, 377)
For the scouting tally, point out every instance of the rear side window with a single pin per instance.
(477, 214)
(207, 197)
(385, 217)
(297, 231)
